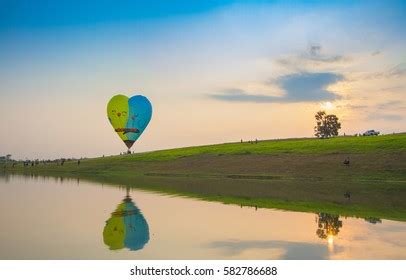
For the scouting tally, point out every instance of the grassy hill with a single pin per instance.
(371, 158)
(337, 145)
(295, 174)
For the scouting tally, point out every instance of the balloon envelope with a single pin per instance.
(129, 116)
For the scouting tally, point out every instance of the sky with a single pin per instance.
(214, 71)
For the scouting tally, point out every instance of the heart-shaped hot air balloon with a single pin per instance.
(129, 116)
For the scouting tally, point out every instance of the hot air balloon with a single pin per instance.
(129, 116)
(126, 228)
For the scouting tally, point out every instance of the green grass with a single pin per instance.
(380, 158)
(386, 143)
(292, 174)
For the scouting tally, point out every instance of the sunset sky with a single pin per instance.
(215, 71)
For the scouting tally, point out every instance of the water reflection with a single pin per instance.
(183, 228)
(373, 220)
(287, 250)
(126, 228)
(328, 226)
(4, 177)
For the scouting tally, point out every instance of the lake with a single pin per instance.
(59, 218)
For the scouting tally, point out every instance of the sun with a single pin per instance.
(330, 240)
(327, 105)
(330, 243)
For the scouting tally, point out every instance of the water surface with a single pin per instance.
(56, 218)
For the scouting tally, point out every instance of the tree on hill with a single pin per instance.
(326, 125)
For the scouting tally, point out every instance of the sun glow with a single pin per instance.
(330, 242)
(327, 105)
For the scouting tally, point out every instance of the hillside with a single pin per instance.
(371, 158)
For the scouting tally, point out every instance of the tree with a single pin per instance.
(326, 125)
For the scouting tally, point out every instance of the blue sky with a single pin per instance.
(215, 71)
(48, 13)
(45, 14)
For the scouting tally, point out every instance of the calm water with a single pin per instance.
(50, 218)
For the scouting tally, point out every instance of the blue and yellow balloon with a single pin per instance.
(129, 116)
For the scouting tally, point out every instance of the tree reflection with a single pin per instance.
(328, 225)
(373, 220)
(5, 177)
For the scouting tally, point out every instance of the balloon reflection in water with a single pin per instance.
(126, 228)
